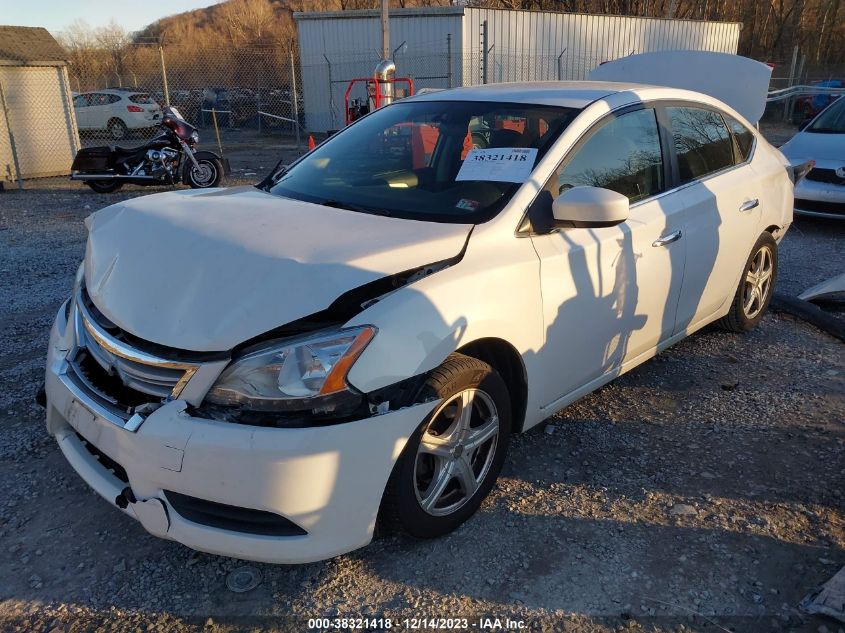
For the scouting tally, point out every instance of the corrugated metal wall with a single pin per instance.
(525, 46)
(338, 46)
(534, 45)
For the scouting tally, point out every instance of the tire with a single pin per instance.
(747, 311)
(466, 474)
(117, 129)
(210, 174)
(104, 186)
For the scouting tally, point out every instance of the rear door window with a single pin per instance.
(702, 142)
(140, 98)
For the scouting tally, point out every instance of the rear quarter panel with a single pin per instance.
(777, 198)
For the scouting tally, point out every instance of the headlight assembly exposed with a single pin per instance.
(280, 375)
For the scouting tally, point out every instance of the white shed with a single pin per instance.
(38, 135)
(441, 47)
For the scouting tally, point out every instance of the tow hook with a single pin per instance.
(125, 497)
(41, 396)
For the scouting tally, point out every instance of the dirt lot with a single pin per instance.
(702, 491)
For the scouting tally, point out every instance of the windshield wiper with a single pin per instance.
(340, 204)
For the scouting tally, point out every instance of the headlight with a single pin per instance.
(195, 137)
(286, 373)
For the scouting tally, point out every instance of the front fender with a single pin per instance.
(480, 297)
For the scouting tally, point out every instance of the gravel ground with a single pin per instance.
(702, 491)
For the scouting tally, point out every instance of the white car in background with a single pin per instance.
(822, 191)
(267, 372)
(116, 111)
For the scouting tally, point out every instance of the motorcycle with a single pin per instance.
(168, 159)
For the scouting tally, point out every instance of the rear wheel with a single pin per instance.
(117, 129)
(208, 174)
(755, 287)
(451, 463)
(104, 186)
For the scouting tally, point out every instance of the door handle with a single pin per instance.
(749, 204)
(667, 239)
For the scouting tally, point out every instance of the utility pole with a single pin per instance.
(385, 31)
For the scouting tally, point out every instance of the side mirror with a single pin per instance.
(590, 207)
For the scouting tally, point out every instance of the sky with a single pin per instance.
(56, 15)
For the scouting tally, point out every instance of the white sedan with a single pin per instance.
(268, 372)
(822, 191)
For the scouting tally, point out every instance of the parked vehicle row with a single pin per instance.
(119, 112)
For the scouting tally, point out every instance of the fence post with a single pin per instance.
(11, 139)
(559, 65)
(448, 60)
(295, 97)
(332, 105)
(164, 76)
(484, 52)
(790, 102)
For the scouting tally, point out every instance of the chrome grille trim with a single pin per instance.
(137, 369)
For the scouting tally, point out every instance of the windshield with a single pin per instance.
(830, 121)
(441, 161)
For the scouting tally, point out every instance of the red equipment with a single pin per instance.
(375, 98)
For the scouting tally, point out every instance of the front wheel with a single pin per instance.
(755, 287)
(451, 463)
(209, 173)
(104, 186)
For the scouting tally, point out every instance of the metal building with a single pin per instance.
(441, 47)
(38, 135)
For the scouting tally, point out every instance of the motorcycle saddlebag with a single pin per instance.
(92, 159)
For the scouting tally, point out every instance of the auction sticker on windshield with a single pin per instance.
(498, 164)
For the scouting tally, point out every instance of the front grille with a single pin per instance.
(149, 379)
(108, 390)
(837, 208)
(829, 176)
(233, 518)
(132, 375)
(108, 463)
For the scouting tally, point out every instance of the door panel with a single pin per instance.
(722, 210)
(609, 294)
(720, 237)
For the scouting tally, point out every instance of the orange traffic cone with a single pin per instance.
(311, 144)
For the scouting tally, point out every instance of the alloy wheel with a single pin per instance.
(456, 451)
(758, 282)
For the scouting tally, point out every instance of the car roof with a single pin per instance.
(567, 94)
(122, 92)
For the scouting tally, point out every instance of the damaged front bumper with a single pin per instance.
(281, 495)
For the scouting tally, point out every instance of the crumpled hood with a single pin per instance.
(819, 147)
(205, 271)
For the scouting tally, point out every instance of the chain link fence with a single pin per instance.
(250, 100)
(232, 95)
